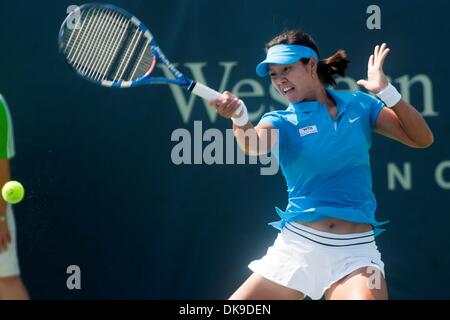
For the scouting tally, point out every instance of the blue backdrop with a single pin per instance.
(104, 194)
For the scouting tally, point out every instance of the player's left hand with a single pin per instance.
(376, 79)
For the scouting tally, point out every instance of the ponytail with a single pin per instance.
(336, 64)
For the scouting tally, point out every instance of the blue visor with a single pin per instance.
(284, 54)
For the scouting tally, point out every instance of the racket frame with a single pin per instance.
(180, 79)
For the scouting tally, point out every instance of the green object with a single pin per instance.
(13, 192)
(6, 131)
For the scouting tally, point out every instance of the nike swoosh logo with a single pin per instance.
(353, 120)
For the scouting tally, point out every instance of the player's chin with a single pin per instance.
(295, 99)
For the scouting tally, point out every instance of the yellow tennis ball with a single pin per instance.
(13, 192)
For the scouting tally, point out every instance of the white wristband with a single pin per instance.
(243, 119)
(389, 95)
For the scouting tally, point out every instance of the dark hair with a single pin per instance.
(327, 68)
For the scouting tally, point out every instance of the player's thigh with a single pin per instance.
(365, 283)
(257, 287)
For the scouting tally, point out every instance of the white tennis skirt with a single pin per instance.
(310, 261)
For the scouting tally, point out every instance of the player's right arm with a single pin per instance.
(5, 235)
(252, 140)
(257, 140)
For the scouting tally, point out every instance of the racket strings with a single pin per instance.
(93, 66)
(144, 63)
(107, 46)
(134, 58)
(91, 49)
(100, 58)
(107, 42)
(80, 47)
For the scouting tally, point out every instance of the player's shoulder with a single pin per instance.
(360, 96)
(351, 96)
(277, 118)
(356, 100)
(280, 113)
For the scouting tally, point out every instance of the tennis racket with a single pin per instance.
(112, 48)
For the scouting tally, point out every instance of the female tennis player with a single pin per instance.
(326, 244)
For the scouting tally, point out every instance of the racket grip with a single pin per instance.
(205, 92)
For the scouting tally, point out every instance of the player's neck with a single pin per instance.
(323, 97)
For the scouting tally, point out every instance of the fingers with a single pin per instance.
(375, 53)
(383, 56)
(361, 83)
(225, 99)
(229, 109)
(380, 53)
(371, 61)
(227, 105)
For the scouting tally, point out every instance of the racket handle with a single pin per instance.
(205, 92)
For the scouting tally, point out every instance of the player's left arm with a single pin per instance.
(404, 124)
(401, 122)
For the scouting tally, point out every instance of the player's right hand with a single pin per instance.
(226, 105)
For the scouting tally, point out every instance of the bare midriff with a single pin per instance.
(338, 226)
